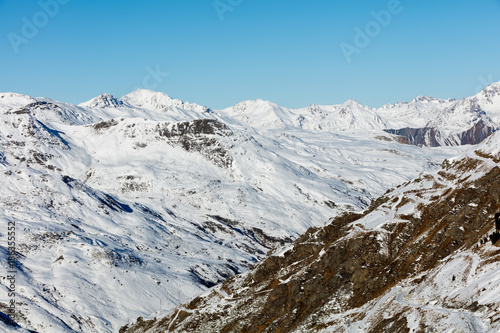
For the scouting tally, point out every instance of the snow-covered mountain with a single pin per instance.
(146, 201)
(152, 100)
(415, 114)
(489, 100)
(425, 121)
(260, 114)
(420, 258)
(350, 115)
(462, 122)
(103, 101)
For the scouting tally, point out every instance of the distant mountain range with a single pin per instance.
(425, 121)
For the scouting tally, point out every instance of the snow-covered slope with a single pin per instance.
(146, 200)
(419, 259)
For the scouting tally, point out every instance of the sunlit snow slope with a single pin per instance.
(420, 259)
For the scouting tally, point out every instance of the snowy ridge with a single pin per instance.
(152, 100)
(348, 116)
(434, 122)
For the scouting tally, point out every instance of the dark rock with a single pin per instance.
(432, 137)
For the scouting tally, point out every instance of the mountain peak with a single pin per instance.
(467, 105)
(424, 99)
(490, 91)
(352, 102)
(494, 86)
(253, 105)
(15, 98)
(102, 101)
(147, 93)
(351, 106)
(149, 99)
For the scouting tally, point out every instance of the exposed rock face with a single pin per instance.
(426, 136)
(354, 269)
(432, 137)
(477, 133)
(195, 127)
(199, 135)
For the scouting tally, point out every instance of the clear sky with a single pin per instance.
(218, 53)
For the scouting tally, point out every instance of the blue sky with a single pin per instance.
(218, 53)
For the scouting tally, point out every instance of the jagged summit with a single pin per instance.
(314, 108)
(102, 101)
(425, 99)
(467, 105)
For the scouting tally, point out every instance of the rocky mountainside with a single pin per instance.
(418, 259)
